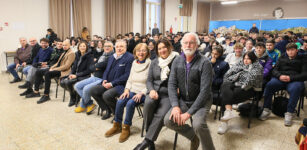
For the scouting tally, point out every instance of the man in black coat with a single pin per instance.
(289, 74)
(254, 29)
(131, 42)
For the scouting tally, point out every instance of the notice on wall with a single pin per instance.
(18, 26)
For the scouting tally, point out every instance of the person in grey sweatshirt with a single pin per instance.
(189, 89)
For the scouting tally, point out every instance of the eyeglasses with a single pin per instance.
(141, 51)
(191, 43)
(107, 46)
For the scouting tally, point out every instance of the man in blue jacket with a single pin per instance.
(114, 78)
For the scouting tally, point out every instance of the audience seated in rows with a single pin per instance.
(59, 70)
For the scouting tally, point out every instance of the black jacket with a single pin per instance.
(295, 68)
(55, 55)
(51, 38)
(177, 47)
(254, 30)
(96, 54)
(81, 65)
(34, 52)
(220, 68)
(99, 67)
(131, 45)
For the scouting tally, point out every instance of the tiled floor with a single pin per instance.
(25, 125)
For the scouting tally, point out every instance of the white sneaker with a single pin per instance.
(228, 114)
(265, 114)
(235, 106)
(288, 118)
(222, 128)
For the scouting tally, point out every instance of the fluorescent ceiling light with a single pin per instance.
(229, 2)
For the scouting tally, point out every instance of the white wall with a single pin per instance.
(28, 18)
(172, 11)
(249, 10)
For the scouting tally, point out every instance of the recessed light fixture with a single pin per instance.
(229, 2)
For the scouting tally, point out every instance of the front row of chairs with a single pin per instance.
(217, 101)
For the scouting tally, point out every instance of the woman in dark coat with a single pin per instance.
(80, 70)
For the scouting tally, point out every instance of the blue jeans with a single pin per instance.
(294, 89)
(130, 105)
(11, 69)
(83, 89)
(26, 69)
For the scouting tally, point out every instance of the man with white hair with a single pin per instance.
(22, 54)
(114, 78)
(189, 89)
(35, 48)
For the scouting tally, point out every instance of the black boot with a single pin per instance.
(15, 80)
(24, 86)
(146, 143)
(107, 115)
(72, 101)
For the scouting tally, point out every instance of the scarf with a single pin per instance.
(104, 56)
(163, 64)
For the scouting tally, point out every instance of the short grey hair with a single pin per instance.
(109, 42)
(22, 38)
(121, 41)
(189, 34)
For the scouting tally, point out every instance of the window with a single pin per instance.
(185, 24)
(153, 14)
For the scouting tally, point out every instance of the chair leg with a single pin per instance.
(143, 126)
(175, 141)
(139, 111)
(64, 95)
(299, 107)
(56, 91)
(98, 111)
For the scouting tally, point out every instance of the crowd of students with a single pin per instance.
(174, 76)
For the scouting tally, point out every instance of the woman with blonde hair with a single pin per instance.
(134, 93)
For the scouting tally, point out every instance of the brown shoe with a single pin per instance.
(114, 130)
(125, 133)
(194, 143)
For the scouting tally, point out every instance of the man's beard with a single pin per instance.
(189, 52)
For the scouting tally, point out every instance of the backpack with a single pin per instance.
(279, 106)
(246, 108)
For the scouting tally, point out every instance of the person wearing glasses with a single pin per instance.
(83, 87)
(189, 90)
(134, 93)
